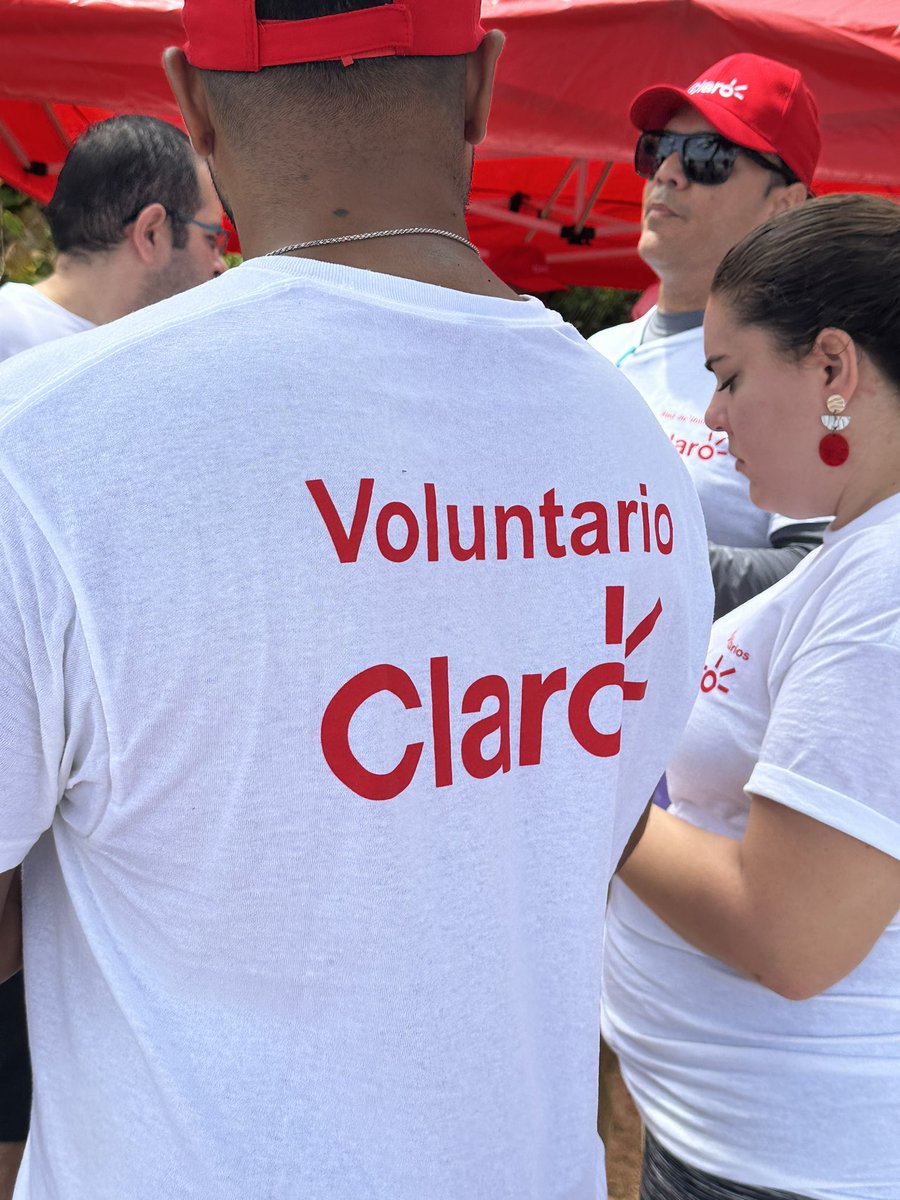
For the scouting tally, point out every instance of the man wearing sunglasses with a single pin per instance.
(134, 217)
(736, 147)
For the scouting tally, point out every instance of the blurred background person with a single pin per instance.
(135, 218)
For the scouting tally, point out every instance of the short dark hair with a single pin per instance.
(116, 168)
(369, 89)
(833, 262)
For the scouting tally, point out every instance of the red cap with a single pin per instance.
(224, 35)
(755, 102)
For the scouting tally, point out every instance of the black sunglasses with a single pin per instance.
(705, 158)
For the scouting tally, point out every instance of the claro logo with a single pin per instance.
(530, 694)
(709, 87)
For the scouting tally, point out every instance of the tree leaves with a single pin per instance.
(26, 248)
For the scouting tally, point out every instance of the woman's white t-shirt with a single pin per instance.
(799, 701)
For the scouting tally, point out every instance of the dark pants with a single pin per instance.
(15, 1064)
(665, 1177)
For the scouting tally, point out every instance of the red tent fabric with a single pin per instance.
(566, 80)
(546, 210)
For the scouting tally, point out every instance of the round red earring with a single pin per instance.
(834, 449)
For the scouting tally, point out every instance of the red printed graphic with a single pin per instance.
(437, 531)
(733, 648)
(530, 697)
(714, 446)
(712, 676)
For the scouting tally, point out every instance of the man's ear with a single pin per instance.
(187, 84)
(147, 234)
(481, 65)
(784, 198)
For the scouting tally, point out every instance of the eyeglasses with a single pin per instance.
(219, 235)
(706, 158)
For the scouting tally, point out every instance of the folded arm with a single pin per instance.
(795, 904)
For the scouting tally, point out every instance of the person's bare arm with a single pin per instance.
(10, 923)
(795, 904)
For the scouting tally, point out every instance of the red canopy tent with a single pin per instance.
(553, 202)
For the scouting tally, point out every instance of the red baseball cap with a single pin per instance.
(224, 35)
(755, 102)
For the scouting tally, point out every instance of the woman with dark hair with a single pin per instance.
(752, 985)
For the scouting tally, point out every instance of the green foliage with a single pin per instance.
(13, 225)
(26, 248)
(590, 309)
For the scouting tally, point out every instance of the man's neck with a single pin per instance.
(89, 287)
(336, 203)
(424, 258)
(669, 324)
(683, 293)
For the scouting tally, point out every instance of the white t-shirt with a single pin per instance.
(311, 908)
(670, 374)
(28, 318)
(799, 700)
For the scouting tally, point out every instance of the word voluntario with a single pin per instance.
(498, 533)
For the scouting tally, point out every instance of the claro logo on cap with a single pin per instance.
(709, 87)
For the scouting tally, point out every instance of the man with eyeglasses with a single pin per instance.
(736, 147)
(135, 219)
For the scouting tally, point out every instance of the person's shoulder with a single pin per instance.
(13, 294)
(17, 319)
(873, 537)
(14, 299)
(618, 339)
(852, 578)
(75, 364)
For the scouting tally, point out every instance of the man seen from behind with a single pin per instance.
(344, 655)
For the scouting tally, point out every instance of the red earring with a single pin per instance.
(834, 449)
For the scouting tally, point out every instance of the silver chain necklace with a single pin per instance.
(367, 237)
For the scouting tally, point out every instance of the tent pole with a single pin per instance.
(555, 194)
(54, 121)
(17, 151)
(593, 198)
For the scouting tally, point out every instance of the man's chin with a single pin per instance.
(652, 249)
